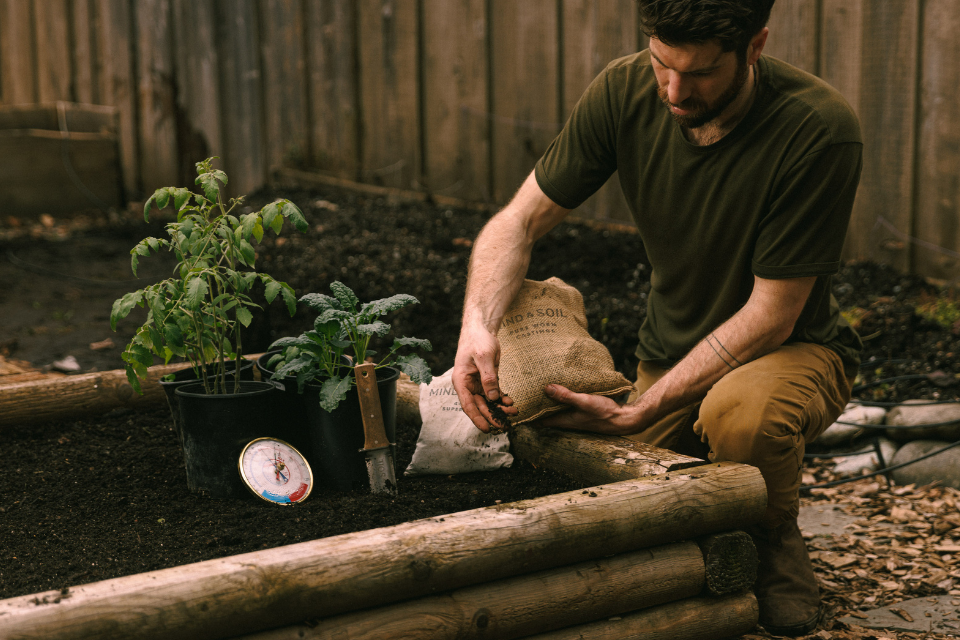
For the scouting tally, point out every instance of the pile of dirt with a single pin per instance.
(94, 499)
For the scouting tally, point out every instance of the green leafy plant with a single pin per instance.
(344, 327)
(197, 314)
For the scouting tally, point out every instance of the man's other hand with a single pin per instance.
(475, 378)
(597, 414)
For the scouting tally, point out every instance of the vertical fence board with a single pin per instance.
(198, 88)
(17, 52)
(793, 33)
(54, 57)
(159, 157)
(841, 55)
(284, 83)
(841, 47)
(525, 89)
(118, 84)
(332, 64)
(594, 34)
(938, 196)
(240, 95)
(86, 65)
(389, 93)
(456, 129)
(887, 114)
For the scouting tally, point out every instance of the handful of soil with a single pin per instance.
(500, 416)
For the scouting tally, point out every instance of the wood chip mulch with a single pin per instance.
(905, 544)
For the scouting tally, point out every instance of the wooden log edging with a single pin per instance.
(592, 457)
(286, 585)
(83, 395)
(550, 599)
(691, 619)
(79, 396)
(532, 603)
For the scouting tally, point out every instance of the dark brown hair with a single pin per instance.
(731, 22)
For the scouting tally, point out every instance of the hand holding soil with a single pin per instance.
(477, 384)
(498, 414)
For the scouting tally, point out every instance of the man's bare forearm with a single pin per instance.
(761, 326)
(501, 254)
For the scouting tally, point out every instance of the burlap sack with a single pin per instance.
(544, 339)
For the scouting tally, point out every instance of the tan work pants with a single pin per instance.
(762, 414)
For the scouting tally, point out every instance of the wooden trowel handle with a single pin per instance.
(374, 434)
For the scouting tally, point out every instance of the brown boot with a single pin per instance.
(786, 587)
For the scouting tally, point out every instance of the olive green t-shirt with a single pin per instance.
(772, 198)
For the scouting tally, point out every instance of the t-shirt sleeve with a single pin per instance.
(581, 159)
(802, 234)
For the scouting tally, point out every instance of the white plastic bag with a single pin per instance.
(449, 442)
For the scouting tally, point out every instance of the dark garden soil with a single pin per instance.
(87, 500)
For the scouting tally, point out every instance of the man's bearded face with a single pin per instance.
(699, 111)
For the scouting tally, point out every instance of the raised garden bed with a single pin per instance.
(379, 246)
(446, 553)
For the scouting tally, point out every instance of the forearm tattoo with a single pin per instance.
(722, 353)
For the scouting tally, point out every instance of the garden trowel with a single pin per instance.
(383, 478)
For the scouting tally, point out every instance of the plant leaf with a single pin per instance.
(270, 212)
(386, 305)
(418, 343)
(289, 298)
(162, 196)
(319, 302)
(133, 380)
(247, 253)
(272, 288)
(196, 290)
(244, 316)
(295, 366)
(415, 367)
(292, 213)
(374, 328)
(332, 391)
(345, 295)
(249, 222)
(181, 196)
(173, 336)
(290, 342)
(123, 306)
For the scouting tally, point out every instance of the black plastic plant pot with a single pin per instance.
(337, 437)
(291, 410)
(188, 376)
(216, 428)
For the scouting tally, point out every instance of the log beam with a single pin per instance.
(518, 607)
(80, 396)
(551, 599)
(282, 586)
(691, 619)
(74, 397)
(591, 457)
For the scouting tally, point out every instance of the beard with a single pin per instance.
(703, 112)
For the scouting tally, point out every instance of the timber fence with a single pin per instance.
(459, 98)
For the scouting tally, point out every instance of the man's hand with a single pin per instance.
(475, 378)
(597, 414)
